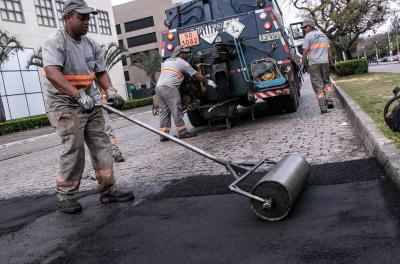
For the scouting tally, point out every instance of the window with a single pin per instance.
(60, 13)
(45, 13)
(120, 43)
(104, 23)
(11, 10)
(118, 28)
(92, 24)
(124, 61)
(127, 78)
(139, 24)
(142, 40)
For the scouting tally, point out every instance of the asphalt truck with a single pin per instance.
(243, 46)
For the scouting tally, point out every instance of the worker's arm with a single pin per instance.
(104, 81)
(330, 57)
(304, 57)
(56, 78)
(200, 77)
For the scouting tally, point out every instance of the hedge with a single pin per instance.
(22, 124)
(351, 67)
(32, 122)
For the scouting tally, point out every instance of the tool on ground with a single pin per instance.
(273, 196)
(391, 111)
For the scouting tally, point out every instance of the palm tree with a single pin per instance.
(35, 59)
(149, 61)
(8, 44)
(113, 54)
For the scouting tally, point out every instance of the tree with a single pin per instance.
(35, 59)
(8, 45)
(149, 61)
(343, 21)
(113, 54)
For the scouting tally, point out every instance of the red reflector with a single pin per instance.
(267, 26)
(170, 47)
(170, 37)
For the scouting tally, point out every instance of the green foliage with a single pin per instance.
(22, 124)
(113, 54)
(35, 59)
(149, 61)
(138, 103)
(351, 67)
(8, 44)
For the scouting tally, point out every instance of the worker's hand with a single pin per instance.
(211, 83)
(115, 98)
(85, 101)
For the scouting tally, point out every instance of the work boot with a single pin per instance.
(324, 111)
(163, 139)
(117, 196)
(119, 158)
(187, 134)
(330, 105)
(69, 206)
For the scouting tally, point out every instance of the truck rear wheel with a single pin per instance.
(291, 103)
(195, 118)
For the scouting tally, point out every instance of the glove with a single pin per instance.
(211, 83)
(85, 101)
(115, 98)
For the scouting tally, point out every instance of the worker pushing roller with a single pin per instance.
(72, 62)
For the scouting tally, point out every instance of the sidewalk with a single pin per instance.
(39, 132)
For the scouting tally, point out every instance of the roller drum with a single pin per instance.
(281, 186)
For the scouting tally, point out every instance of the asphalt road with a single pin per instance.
(348, 213)
(389, 67)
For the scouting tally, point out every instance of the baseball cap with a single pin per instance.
(79, 6)
(178, 50)
(308, 22)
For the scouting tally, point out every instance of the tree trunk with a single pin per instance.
(348, 54)
(2, 112)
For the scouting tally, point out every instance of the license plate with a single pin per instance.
(270, 36)
(189, 39)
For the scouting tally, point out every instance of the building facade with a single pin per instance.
(31, 22)
(139, 26)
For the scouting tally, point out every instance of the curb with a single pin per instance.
(378, 146)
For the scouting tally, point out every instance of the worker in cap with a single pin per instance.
(173, 72)
(316, 49)
(72, 63)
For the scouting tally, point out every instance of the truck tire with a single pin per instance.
(291, 103)
(195, 118)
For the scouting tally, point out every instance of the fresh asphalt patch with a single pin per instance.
(348, 213)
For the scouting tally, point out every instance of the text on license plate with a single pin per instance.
(189, 39)
(270, 36)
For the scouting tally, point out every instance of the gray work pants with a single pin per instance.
(321, 83)
(75, 129)
(170, 104)
(110, 132)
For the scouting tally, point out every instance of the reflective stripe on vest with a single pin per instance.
(319, 46)
(175, 71)
(80, 80)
